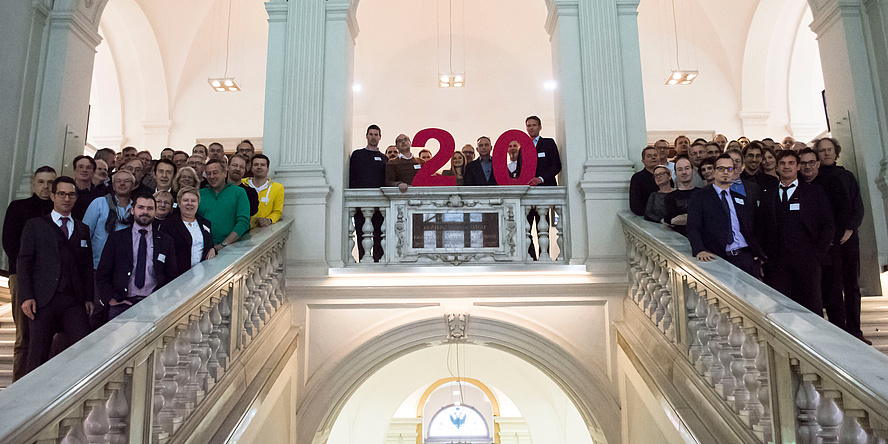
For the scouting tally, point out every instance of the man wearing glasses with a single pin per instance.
(54, 274)
(720, 222)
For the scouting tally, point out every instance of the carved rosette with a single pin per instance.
(457, 324)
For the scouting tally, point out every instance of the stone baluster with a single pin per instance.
(749, 351)
(97, 423)
(217, 358)
(632, 260)
(763, 429)
(257, 304)
(543, 235)
(662, 317)
(558, 223)
(705, 334)
(268, 286)
(367, 241)
(224, 310)
(183, 349)
(71, 428)
(650, 285)
(382, 234)
(528, 230)
(157, 430)
(248, 332)
(641, 277)
(194, 387)
(713, 320)
(830, 416)
(807, 401)
(167, 417)
(740, 396)
(724, 385)
(275, 283)
(118, 411)
(693, 303)
(351, 235)
(855, 428)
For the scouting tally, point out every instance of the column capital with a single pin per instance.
(560, 8)
(827, 12)
(78, 24)
(343, 10)
(277, 11)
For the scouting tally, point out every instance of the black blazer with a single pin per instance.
(810, 237)
(40, 261)
(252, 197)
(709, 225)
(176, 229)
(474, 174)
(116, 264)
(548, 161)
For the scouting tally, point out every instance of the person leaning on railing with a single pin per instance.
(271, 194)
(225, 205)
(191, 234)
(676, 215)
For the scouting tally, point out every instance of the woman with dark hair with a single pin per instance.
(769, 161)
(190, 232)
(457, 167)
(656, 204)
(706, 170)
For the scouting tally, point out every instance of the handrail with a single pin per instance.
(773, 367)
(172, 353)
(510, 206)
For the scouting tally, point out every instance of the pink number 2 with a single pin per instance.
(424, 177)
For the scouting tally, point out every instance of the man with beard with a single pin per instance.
(225, 205)
(136, 260)
(237, 167)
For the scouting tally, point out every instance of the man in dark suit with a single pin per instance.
(548, 159)
(480, 170)
(642, 183)
(720, 222)
(17, 214)
(796, 229)
(54, 274)
(136, 260)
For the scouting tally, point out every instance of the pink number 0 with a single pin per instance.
(424, 177)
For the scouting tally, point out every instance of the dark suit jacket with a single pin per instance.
(474, 174)
(548, 161)
(40, 265)
(116, 264)
(810, 237)
(17, 214)
(709, 225)
(252, 197)
(175, 227)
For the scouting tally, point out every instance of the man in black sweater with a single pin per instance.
(19, 212)
(366, 169)
(642, 184)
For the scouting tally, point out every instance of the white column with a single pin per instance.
(600, 110)
(856, 114)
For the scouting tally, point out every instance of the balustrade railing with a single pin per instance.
(774, 370)
(455, 225)
(155, 372)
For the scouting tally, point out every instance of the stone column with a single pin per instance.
(854, 94)
(600, 113)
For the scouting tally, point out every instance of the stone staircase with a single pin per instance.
(874, 321)
(7, 340)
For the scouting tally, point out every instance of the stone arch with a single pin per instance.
(337, 380)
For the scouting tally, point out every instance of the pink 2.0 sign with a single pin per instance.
(425, 178)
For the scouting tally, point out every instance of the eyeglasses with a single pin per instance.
(808, 163)
(661, 174)
(160, 202)
(724, 169)
(66, 195)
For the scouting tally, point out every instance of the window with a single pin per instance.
(458, 422)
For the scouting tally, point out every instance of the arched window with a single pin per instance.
(460, 422)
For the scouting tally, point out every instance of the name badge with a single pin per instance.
(83, 243)
(206, 228)
(541, 154)
(378, 159)
(416, 167)
(795, 207)
(161, 258)
(264, 200)
(739, 201)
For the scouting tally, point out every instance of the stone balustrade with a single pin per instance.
(456, 225)
(161, 371)
(763, 366)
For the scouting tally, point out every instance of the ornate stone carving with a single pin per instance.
(400, 230)
(456, 326)
(455, 258)
(455, 201)
(511, 228)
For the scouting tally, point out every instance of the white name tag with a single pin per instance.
(739, 200)
(206, 228)
(162, 258)
(794, 207)
(541, 154)
(83, 243)
(378, 159)
(416, 167)
(264, 200)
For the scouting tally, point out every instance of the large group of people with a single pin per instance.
(84, 249)
(784, 213)
(397, 167)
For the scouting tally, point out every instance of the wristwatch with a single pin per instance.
(224, 244)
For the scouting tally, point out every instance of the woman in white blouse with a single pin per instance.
(190, 232)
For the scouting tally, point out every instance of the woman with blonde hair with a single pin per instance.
(186, 177)
(457, 167)
(190, 232)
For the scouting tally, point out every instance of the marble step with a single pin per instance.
(7, 333)
(5, 378)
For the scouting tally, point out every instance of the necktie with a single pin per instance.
(785, 197)
(724, 195)
(64, 221)
(141, 259)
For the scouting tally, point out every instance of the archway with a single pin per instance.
(327, 394)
